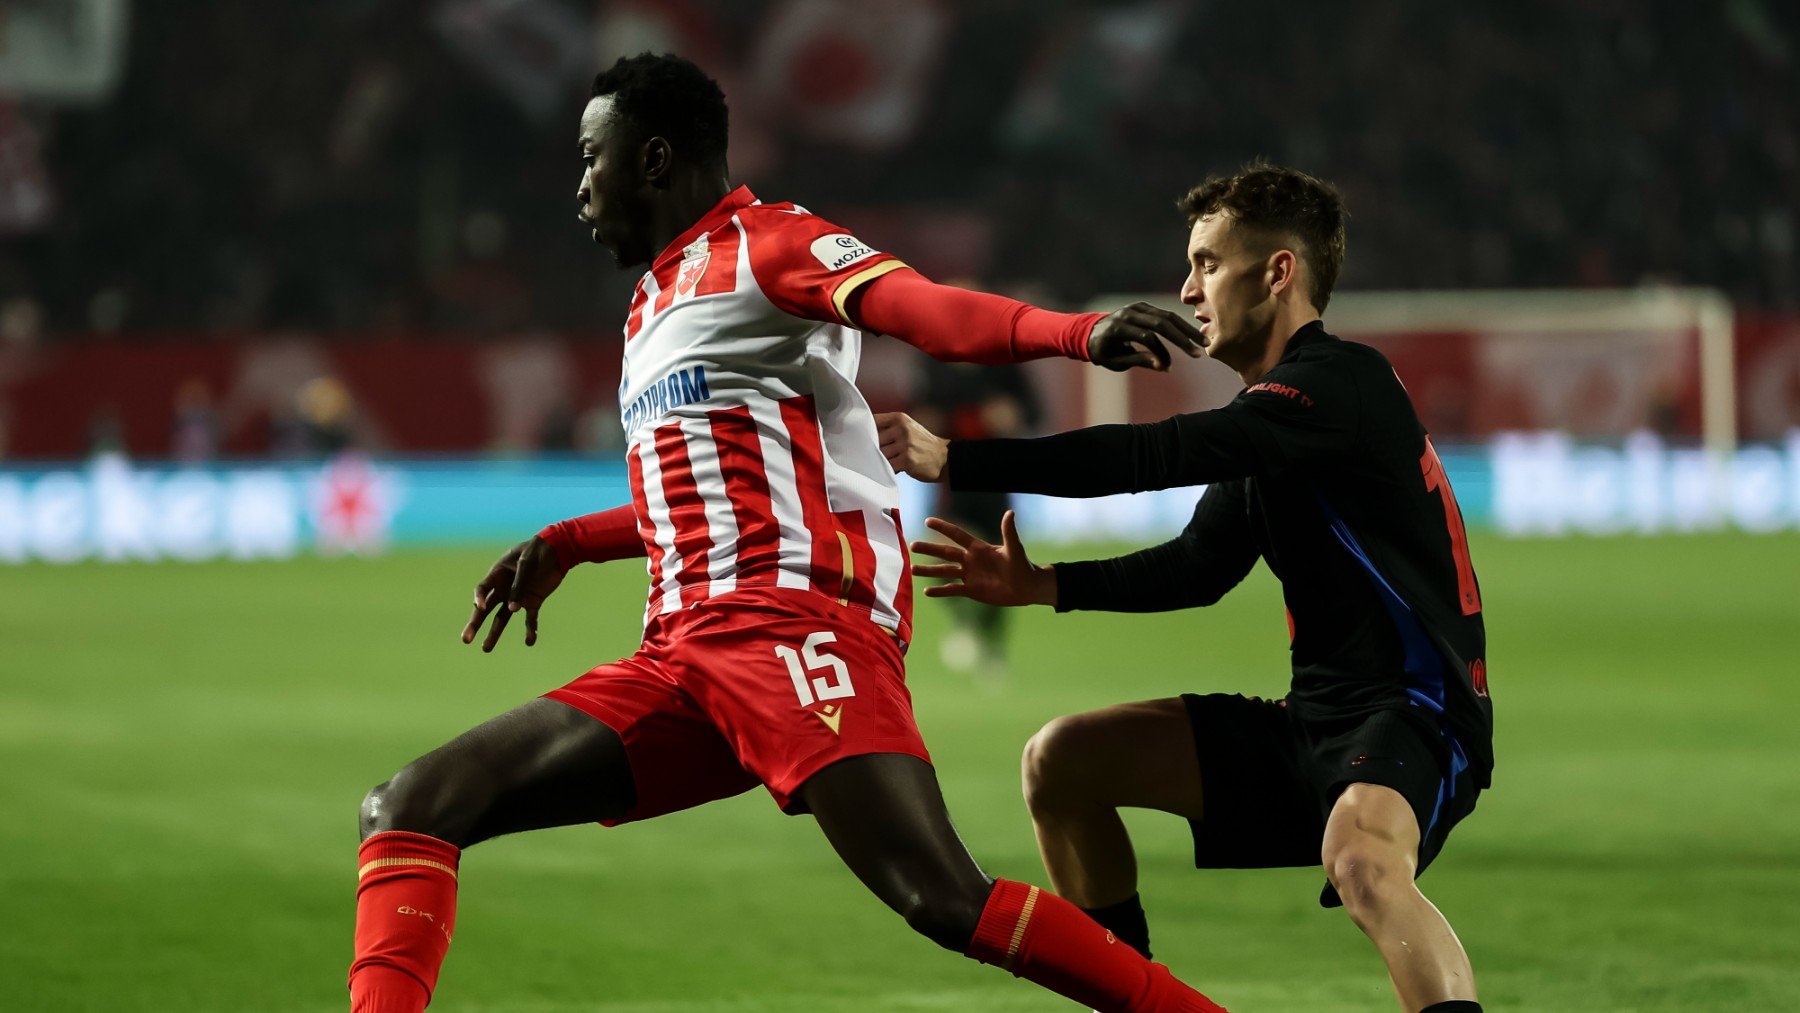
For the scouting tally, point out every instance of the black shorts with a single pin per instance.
(1268, 781)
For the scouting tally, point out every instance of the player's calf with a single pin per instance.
(541, 765)
(1073, 798)
(885, 816)
(1078, 771)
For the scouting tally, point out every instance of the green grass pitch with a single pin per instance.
(183, 748)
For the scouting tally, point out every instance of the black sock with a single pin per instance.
(1453, 1006)
(1125, 920)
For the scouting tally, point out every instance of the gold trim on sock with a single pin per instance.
(388, 863)
(1018, 936)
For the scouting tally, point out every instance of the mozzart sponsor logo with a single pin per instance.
(1547, 484)
(839, 251)
(112, 510)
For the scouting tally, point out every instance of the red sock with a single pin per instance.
(1042, 938)
(405, 913)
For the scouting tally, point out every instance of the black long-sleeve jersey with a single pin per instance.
(1323, 470)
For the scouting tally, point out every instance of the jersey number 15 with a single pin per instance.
(810, 659)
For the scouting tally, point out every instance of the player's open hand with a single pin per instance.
(522, 578)
(1134, 336)
(992, 574)
(911, 448)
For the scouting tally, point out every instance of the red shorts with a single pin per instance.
(759, 686)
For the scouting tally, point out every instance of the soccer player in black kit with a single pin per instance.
(1321, 468)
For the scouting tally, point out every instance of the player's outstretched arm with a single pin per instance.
(1296, 415)
(991, 574)
(958, 325)
(1096, 461)
(527, 573)
(1211, 555)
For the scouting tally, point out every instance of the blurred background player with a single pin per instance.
(780, 603)
(1321, 468)
(964, 401)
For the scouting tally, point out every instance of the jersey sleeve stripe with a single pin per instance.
(846, 288)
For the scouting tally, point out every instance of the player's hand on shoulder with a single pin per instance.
(1134, 336)
(519, 580)
(911, 448)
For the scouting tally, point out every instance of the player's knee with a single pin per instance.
(373, 816)
(948, 919)
(1367, 873)
(1052, 764)
(415, 801)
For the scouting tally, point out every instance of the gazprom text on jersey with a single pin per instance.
(683, 386)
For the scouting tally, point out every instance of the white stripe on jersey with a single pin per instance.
(651, 291)
(746, 280)
(884, 540)
(668, 582)
(795, 558)
(721, 523)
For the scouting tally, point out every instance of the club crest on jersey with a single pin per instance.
(839, 251)
(693, 266)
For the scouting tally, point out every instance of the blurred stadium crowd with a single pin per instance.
(366, 165)
(289, 226)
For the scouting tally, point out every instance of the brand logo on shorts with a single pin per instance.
(1365, 758)
(831, 714)
(839, 251)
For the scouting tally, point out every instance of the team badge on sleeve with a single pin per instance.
(839, 250)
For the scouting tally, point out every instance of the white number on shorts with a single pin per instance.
(820, 687)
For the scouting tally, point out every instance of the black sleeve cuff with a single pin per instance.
(973, 466)
(1076, 585)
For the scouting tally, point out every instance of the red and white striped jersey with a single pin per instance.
(753, 457)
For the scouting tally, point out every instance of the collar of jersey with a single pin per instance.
(1306, 335)
(728, 205)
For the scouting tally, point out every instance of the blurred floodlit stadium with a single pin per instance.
(286, 282)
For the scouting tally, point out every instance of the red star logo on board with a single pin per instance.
(352, 506)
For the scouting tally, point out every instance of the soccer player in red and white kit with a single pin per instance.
(780, 588)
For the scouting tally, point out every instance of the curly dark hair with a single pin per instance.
(1281, 203)
(664, 95)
